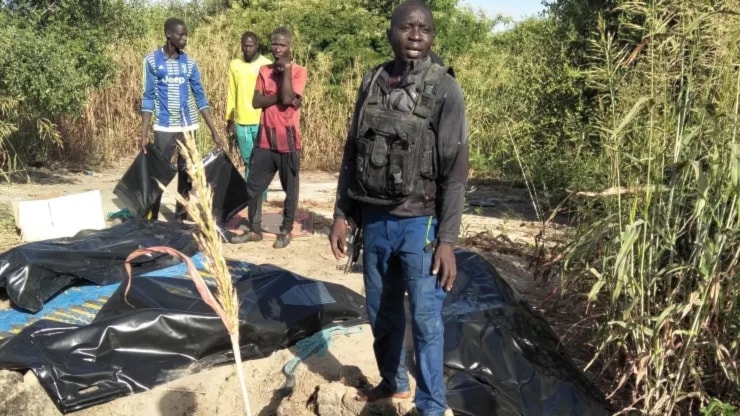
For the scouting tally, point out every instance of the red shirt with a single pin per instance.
(280, 124)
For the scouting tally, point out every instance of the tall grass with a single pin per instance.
(663, 263)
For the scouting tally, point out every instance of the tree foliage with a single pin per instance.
(58, 49)
(52, 53)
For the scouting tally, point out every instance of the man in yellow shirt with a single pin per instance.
(241, 117)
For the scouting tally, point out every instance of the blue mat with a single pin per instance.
(78, 305)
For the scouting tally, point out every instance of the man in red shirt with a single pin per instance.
(278, 93)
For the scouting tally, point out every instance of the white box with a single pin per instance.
(64, 216)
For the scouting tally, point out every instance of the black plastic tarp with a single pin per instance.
(170, 332)
(501, 359)
(227, 184)
(138, 188)
(33, 273)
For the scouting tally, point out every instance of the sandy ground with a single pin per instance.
(349, 363)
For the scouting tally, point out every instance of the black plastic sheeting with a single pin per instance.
(502, 359)
(138, 188)
(227, 184)
(170, 332)
(33, 273)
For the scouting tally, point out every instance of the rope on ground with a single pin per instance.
(317, 344)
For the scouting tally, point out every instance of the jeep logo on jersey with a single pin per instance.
(173, 80)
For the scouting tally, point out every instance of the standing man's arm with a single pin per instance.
(263, 101)
(295, 85)
(288, 92)
(231, 102)
(147, 101)
(452, 145)
(344, 205)
(286, 86)
(259, 100)
(202, 103)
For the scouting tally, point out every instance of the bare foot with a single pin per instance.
(376, 393)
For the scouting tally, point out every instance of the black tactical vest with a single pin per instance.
(396, 149)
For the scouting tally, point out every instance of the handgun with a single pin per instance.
(355, 245)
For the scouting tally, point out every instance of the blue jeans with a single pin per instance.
(246, 135)
(395, 262)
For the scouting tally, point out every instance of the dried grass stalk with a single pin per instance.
(207, 235)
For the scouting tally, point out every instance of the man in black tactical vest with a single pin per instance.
(403, 178)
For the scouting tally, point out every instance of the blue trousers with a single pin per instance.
(395, 262)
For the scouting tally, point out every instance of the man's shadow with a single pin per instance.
(349, 375)
(178, 403)
(319, 360)
(332, 370)
(313, 352)
(326, 366)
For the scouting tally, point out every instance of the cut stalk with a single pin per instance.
(207, 235)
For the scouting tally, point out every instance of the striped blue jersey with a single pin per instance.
(172, 91)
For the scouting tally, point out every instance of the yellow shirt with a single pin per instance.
(242, 79)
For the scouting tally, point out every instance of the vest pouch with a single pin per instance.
(364, 149)
(425, 169)
(387, 155)
(397, 169)
(427, 162)
(404, 156)
(372, 161)
(379, 152)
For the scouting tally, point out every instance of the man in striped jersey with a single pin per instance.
(171, 99)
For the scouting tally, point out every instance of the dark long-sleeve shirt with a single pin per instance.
(445, 196)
